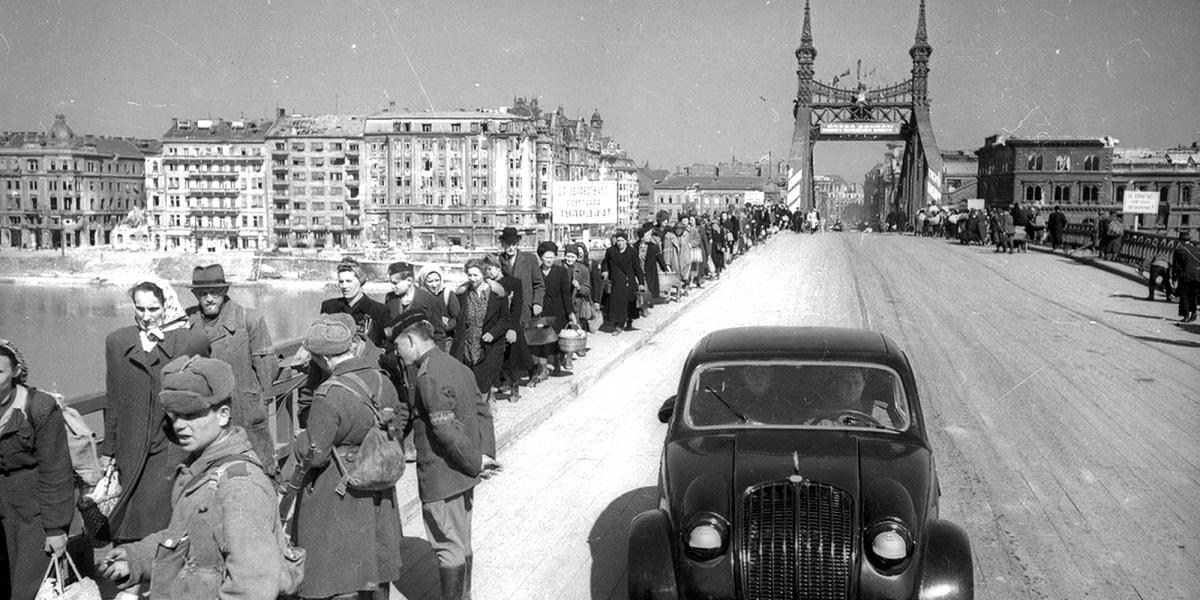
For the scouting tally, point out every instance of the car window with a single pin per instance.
(796, 394)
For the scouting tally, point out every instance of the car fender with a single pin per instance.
(947, 569)
(651, 563)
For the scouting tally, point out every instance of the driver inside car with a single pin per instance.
(846, 398)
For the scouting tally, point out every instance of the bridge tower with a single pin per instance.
(896, 112)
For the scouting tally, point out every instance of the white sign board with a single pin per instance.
(975, 204)
(1140, 202)
(754, 197)
(860, 128)
(584, 202)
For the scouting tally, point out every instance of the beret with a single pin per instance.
(401, 267)
(330, 335)
(191, 384)
(407, 319)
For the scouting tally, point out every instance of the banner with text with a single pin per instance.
(584, 202)
(861, 128)
(1139, 202)
(754, 197)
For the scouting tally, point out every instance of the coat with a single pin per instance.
(654, 262)
(353, 541)
(446, 427)
(524, 266)
(227, 509)
(677, 254)
(434, 307)
(496, 321)
(239, 336)
(626, 275)
(136, 431)
(516, 354)
(369, 315)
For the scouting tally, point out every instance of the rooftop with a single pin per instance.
(217, 130)
(682, 182)
(318, 126)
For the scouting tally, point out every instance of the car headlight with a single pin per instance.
(889, 545)
(705, 537)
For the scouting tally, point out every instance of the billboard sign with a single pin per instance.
(975, 204)
(584, 202)
(1140, 202)
(860, 128)
(754, 197)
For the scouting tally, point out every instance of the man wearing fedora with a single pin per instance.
(526, 267)
(239, 336)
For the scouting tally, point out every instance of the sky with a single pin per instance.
(677, 82)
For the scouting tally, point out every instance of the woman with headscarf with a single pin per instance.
(483, 323)
(677, 253)
(581, 284)
(37, 483)
(517, 360)
(136, 429)
(431, 279)
(625, 274)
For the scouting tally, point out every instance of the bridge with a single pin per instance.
(1062, 409)
(897, 112)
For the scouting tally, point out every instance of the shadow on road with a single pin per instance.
(1129, 296)
(1138, 315)
(609, 542)
(1154, 340)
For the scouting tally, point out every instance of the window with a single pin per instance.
(1033, 193)
(1062, 163)
(1119, 195)
(426, 127)
(1091, 163)
(1035, 162)
(1091, 194)
(1185, 194)
(1062, 193)
(456, 127)
(1164, 194)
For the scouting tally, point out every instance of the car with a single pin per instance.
(796, 464)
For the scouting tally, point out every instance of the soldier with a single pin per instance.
(239, 336)
(223, 538)
(455, 449)
(1185, 264)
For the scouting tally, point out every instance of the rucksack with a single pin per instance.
(81, 440)
(378, 463)
(292, 573)
(1115, 227)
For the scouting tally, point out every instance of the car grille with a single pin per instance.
(796, 542)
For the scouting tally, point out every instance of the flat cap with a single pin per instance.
(330, 335)
(407, 319)
(401, 267)
(191, 384)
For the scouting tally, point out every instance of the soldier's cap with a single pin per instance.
(404, 268)
(193, 384)
(406, 319)
(330, 335)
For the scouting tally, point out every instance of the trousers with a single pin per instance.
(448, 527)
(23, 532)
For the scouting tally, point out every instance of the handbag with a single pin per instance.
(540, 331)
(108, 490)
(54, 587)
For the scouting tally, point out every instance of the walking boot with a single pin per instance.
(453, 579)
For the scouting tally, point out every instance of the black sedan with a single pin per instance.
(797, 465)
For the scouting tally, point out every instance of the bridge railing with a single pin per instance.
(282, 412)
(1136, 246)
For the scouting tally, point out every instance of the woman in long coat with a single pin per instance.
(517, 359)
(651, 258)
(558, 303)
(136, 430)
(483, 322)
(581, 283)
(677, 253)
(352, 540)
(37, 488)
(625, 274)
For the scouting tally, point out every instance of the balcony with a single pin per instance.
(282, 226)
(222, 230)
(282, 211)
(354, 226)
(213, 193)
(280, 183)
(212, 175)
(213, 210)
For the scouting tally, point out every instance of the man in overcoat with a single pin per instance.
(238, 335)
(450, 460)
(223, 539)
(524, 266)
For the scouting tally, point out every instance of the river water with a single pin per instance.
(61, 329)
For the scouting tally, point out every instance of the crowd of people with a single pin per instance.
(207, 509)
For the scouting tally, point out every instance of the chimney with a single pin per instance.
(174, 122)
(280, 112)
(391, 106)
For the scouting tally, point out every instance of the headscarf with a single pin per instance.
(173, 314)
(21, 367)
(424, 274)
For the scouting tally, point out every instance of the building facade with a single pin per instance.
(1174, 173)
(688, 194)
(214, 195)
(448, 178)
(67, 191)
(315, 197)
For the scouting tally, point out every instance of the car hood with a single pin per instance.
(890, 476)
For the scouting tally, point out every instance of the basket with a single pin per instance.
(572, 344)
(540, 331)
(668, 280)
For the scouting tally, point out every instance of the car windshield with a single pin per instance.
(797, 394)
